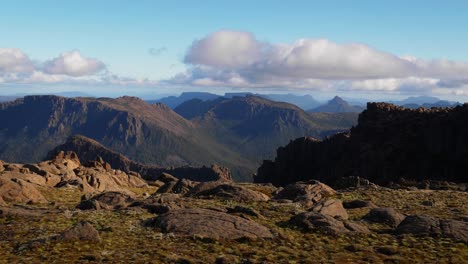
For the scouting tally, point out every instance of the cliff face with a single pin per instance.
(389, 143)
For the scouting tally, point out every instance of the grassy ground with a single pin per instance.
(126, 240)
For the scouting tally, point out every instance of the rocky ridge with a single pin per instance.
(390, 144)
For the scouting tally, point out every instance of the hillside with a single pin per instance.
(255, 126)
(338, 105)
(390, 144)
(151, 134)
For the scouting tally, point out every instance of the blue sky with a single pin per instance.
(121, 34)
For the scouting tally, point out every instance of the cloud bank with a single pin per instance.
(68, 68)
(237, 59)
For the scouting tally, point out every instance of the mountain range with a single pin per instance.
(237, 133)
(303, 101)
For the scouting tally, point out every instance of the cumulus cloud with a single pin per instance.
(237, 59)
(73, 64)
(71, 68)
(14, 61)
(231, 49)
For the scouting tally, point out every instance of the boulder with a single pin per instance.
(107, 201)
(358, 204)
(306, 193)
(431, 226)
(227, 191)
(83, 231)
(209, 224)
(14, 190)
(331, 207)
(312, 221)
(385, 215)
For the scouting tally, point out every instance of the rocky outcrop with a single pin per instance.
(88, 149)
(209, 224)
(15, 190)
(431, 226)
(389, 143)
(19, 182)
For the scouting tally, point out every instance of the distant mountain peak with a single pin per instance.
(337, 105)
(338, 100)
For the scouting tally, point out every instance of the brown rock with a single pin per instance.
(209, 224)
(306, 193)
(331, 207)
(83, 231)
(385, 215)
(430, 226)
(312, 221)
(14, 190)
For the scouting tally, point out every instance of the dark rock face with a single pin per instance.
(209, 223)
(385, 215)
(430, 226)
(389, 143)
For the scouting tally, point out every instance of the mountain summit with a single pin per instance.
(338, 105)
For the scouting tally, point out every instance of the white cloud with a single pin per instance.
(225, 48)
(14, 60)
(70, 68)
(237, 59)
(73, 64)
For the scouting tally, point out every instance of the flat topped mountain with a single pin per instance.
(390, 143)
